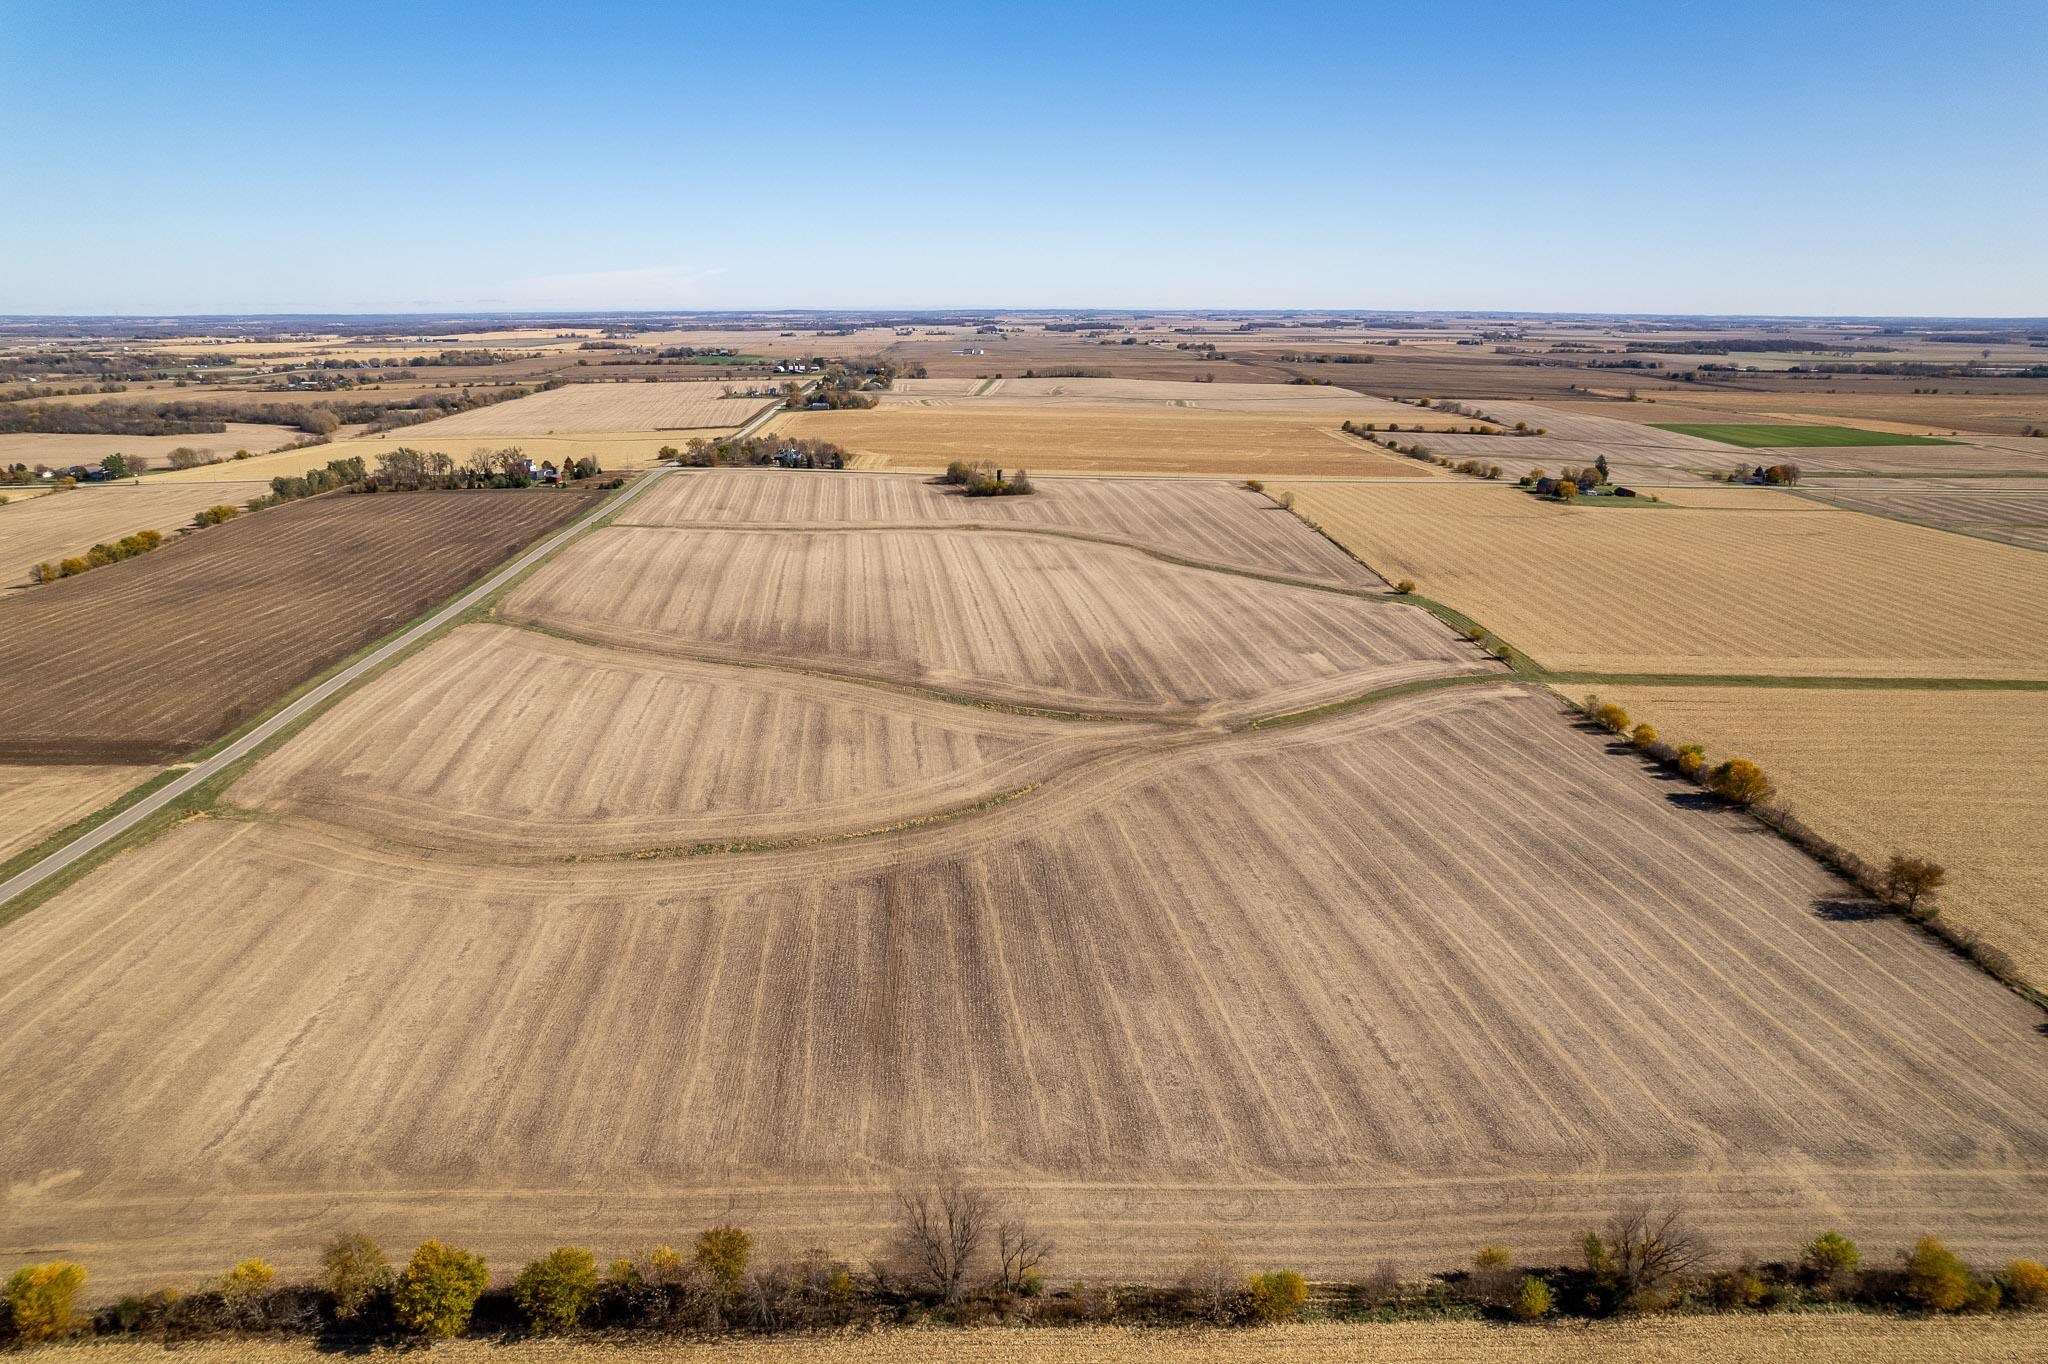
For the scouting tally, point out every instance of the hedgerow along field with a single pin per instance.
(1226, 983)
(1764, 437)
(59, 526)
(146, 659)
(1770, 584)
(1937, 774)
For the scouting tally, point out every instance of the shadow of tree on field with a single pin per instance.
(1696, 800)
(1848, 909)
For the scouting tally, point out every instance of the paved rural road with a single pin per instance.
(120, 824)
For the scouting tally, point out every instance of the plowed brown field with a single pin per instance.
(580, 749)
(1210, 521)
(1149, 439)
(1028, 619)
(1271, 984)
(148, 658)
(36, 801)
(1772, 588)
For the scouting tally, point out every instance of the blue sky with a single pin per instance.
(1801, 157)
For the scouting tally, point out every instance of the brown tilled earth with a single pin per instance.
(1393, 982)
(151, 657)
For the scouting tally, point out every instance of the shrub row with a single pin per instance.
(1904, 883)
(99, 556)
(958, 1258)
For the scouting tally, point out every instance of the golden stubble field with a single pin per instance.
(1746, 1339)
(413, 758)
(1207, 520)
(595, 408)
(1767, 584)
(1029, 620)
(1222, 985)
(37, 800)
(1943, 774)
(72, 521)
(62, 451)
(1386, 984)
(1146, 439)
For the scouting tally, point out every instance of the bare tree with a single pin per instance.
(1646, 1248)
(943, 1230)
(1021, 1253)
(1213, 1285)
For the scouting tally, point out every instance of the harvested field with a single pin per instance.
(1214, 522)
(1271, 983)
(1029, 620)
(51, 528)
(1720, 590)
(1338, 404)
(586, 408)
(1048, 438)
(37, 801)
(2014, 510)
(148, 658)
(1811, 1338)
(564, 758)
(2001, 414)
(59, 451)
(1750, 436)
(1938, 774)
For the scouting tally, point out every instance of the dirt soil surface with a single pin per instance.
(149, 658)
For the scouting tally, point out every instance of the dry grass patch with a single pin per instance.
(1717, 589)
(1214, 522)
(1050, 438)
(586, 750)
(1438, 972)
(37, 801)
(1745, 1339)
(1028, 620)
(1336, 404)
(1948, 775)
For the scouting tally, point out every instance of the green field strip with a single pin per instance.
(1766, 437)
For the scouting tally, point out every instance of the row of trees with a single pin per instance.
(99, 556)
(1907, 883)
(700, 453)
(958, 1255)
(186, 417)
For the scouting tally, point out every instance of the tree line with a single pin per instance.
(958, 1255)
